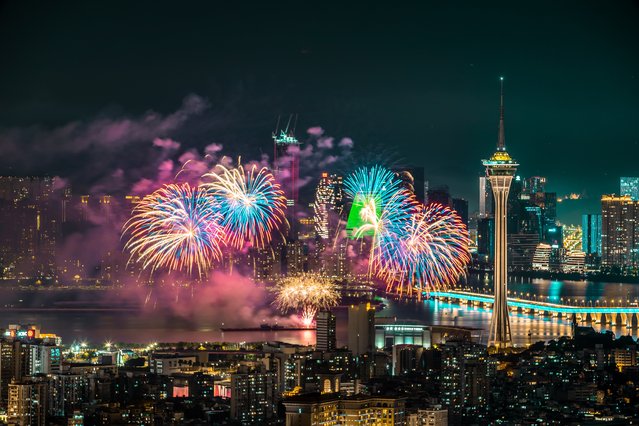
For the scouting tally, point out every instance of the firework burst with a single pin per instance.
(431, 251)
(177, 228)
(381, 207)
(306, 293)
(251, 202)
(375, 182)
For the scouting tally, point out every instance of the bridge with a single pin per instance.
(611, 315)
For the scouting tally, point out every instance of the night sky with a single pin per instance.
(419, 80)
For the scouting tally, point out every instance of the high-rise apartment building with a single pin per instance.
(253, 396)
(619, 231)
(334, 260)
(407, 358)
(464, 379)
(325, 331)
(267, 262)
(9, 367)
(66, 391)
(296, 257)
(629, 186)
(27, 403)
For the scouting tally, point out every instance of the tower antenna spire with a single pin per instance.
(501, 141)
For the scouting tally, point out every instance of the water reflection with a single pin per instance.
(525, 328)
(146, 327)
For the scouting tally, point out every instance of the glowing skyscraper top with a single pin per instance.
(500, 169)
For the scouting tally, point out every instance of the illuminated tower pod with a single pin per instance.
(500, 170)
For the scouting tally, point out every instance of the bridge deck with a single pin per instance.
(530, 304)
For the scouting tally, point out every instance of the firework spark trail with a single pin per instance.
(430, 252)
(386, 207)
(251, 202)
(177, 228)
(307, 293)
(372, 182)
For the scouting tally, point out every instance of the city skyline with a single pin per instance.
(452, 105)
(305, 214)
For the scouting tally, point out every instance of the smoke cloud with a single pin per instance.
(134, 156)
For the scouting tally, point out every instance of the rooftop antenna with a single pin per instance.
(501, 141)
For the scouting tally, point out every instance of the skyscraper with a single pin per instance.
(328, 205)
(535, 185)
(412, 178)
(486, 238)
(629, 186)
(325, 331)
(591, 234)
(549, 215)
(440, 195)
(28, 227)
(461, 207)
(361, 328)
(485, 198)
(287, 168)
(619, 231)
(500, 169)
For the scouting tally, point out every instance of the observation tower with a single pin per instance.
(500, 169)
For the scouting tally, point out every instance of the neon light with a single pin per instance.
(550, 307)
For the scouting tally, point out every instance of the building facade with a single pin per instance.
(629, 186)
(619, 232)
(591, 234)
(361, 328)
(27, 403)
(326, 325)
(253, 396)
